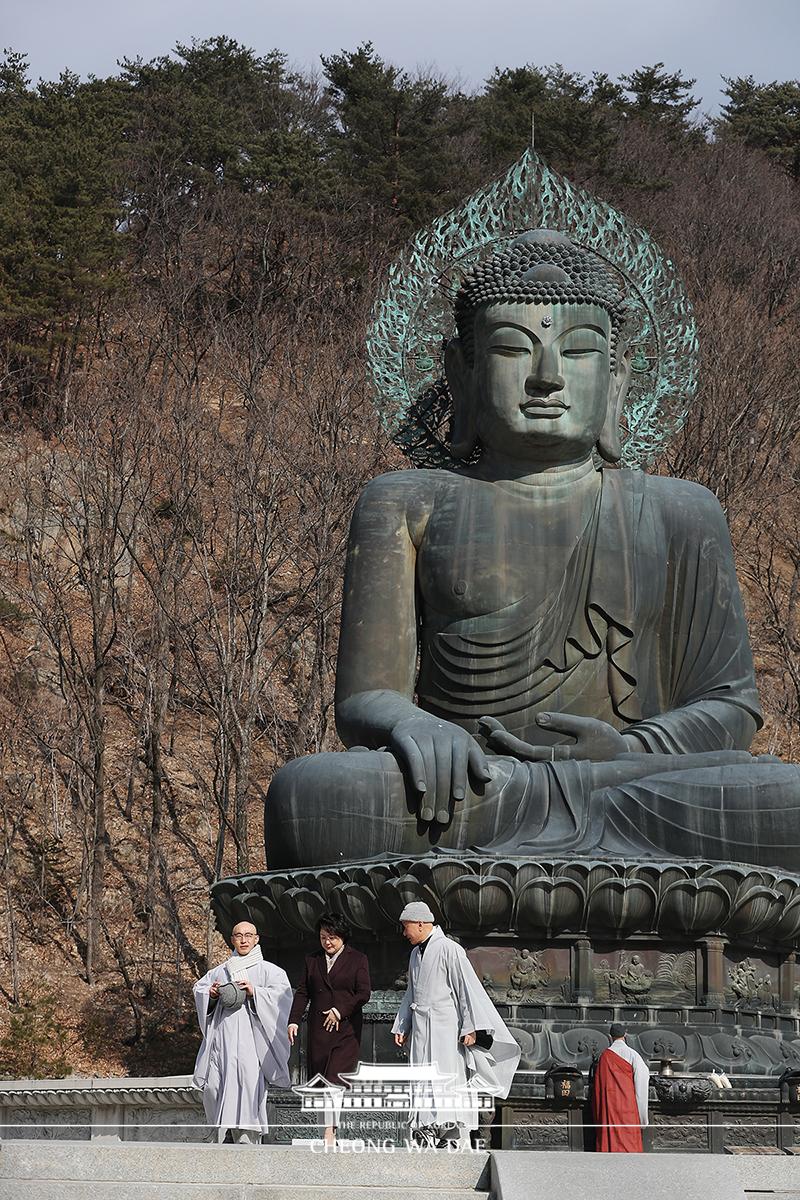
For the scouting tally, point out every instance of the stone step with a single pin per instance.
(535, 1175)
(769, 1176)
(139, 1171)
(49, 1189)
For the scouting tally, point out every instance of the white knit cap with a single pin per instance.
(417, 910)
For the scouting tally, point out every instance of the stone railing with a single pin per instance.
(166, 1109)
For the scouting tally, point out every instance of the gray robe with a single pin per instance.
(244, 1049)
(444, 1001)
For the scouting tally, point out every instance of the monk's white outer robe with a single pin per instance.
(641, 1074)
(245, 1049)
(444, 1001)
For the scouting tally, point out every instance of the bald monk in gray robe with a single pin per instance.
(245, 1045)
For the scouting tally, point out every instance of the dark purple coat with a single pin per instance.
(346, 988)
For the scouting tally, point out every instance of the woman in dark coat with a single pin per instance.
(337, 986)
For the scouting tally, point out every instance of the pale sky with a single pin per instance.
(464, 39)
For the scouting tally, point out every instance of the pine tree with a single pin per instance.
(214, 114)
(570, 113)
(655, 94)
(59, 214)
(33, 1044)
(766, 116)
(392, 140)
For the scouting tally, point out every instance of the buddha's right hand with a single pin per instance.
(437, 758)
(595, 740)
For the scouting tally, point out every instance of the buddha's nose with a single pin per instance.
(545, 376)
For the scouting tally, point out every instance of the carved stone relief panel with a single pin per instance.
(751, 981)
(287, 1120)
(375, 1127)
(523, 974)
(756, 1129)
(148, 1123)
(536, 1131)
(52, 1124)
(643, 976)
(687, 1131)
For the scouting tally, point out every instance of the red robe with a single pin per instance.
(616, 1113)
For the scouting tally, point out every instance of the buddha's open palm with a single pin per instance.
(437, 758)
(595, 740)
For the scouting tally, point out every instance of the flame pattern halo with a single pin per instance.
(412, 319)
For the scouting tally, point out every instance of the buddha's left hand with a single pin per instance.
(595, 740)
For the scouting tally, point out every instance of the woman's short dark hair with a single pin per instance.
(335, 923)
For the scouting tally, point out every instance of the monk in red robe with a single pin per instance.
(619, 1096)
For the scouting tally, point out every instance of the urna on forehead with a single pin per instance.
(541, 266)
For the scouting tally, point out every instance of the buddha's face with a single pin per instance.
(542, 379)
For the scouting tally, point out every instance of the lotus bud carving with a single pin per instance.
(260, 909)
(550, 906)
(502, 870)
(327, 881)
(658, 876)
(588, 874)
(693, 906)
(622, 906)
(755, 909)
(423, 872)
(301, 908)
(478, 904)
(443, 873)
(733, 878)
(530, 871)
(787, 928)
(361, 907)
(395, 894)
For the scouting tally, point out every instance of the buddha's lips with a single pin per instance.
(543, 406)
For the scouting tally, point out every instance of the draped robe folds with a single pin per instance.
(243, 1050)
(620, 1099)
(681, 680)
(645, 630)
(443, 1002)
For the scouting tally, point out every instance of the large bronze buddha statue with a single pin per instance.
(540, 654)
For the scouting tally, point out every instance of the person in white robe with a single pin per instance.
(245, 1044)
(454, 1028)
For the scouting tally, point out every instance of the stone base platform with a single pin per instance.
(64, 1171)
(614, 1177)
(698, 959)
(662, 944)
(47, 1171)
(611, 898)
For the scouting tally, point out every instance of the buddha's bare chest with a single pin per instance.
(480, 555)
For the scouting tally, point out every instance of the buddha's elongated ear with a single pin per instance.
(462, 384)
(609, 443)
